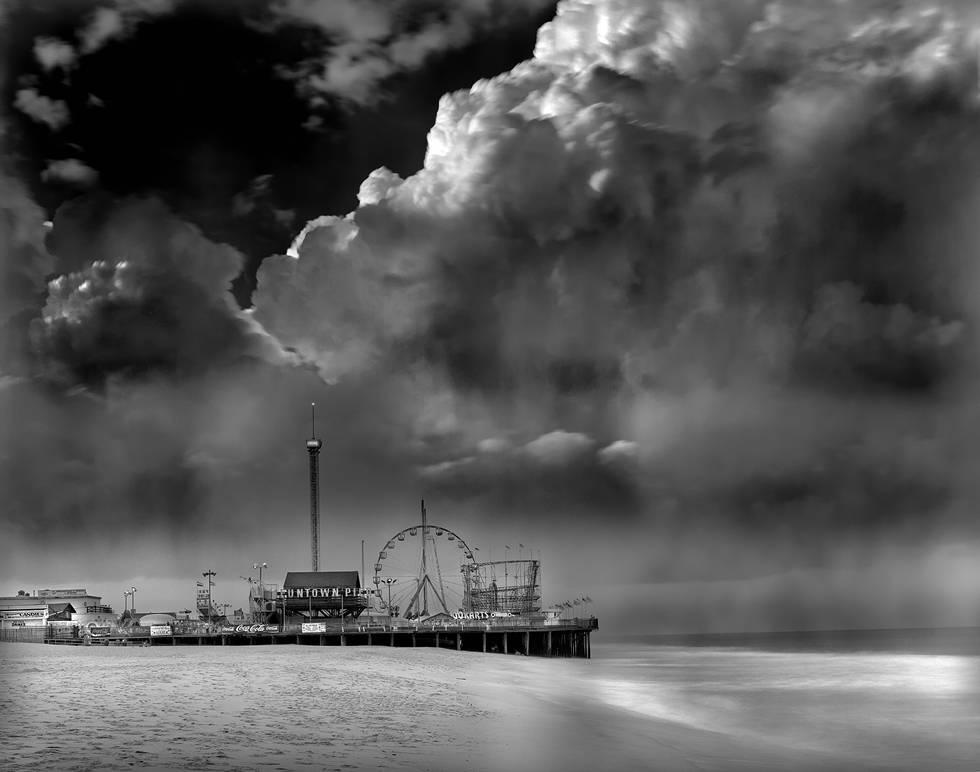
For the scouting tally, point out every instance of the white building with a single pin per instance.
(66, 607)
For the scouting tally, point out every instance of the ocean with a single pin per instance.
(879, 700)
(876, 699)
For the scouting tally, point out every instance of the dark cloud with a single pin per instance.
(640, 219)
(121, 328)
(24, 265)
(196, 128)
(139, 293)
(555, 476)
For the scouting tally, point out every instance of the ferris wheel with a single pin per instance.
(420, 570)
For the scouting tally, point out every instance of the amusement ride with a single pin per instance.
(427, 569)
(421, 567)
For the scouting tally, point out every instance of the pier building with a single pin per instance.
(25, 616)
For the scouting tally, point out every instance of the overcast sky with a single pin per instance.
(681, 294)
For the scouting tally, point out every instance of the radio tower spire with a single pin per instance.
(313, 446)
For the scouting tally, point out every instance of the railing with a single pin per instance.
(456, 625)
(333, 627)
(504, 623)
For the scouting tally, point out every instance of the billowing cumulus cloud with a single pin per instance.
(726, 244)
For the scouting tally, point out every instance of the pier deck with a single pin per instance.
(570, 638)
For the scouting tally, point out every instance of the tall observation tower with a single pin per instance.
(313, 446)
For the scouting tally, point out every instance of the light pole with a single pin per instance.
(389, 581)
(126, 595)
(208, 574)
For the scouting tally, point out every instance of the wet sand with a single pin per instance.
(298, 707)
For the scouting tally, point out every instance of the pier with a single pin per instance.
(566, 638)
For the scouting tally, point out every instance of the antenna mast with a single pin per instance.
(313, 446)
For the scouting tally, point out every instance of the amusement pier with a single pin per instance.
(427, 588)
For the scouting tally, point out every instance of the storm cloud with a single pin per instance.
(695, 283)
(722, 235)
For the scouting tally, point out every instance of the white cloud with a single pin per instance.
(117, 20)
(70, 170)
(559, 448)
(52, 53)
(374, 39)
(51, 112)
(619, 452)
(106, 23)
(493, 445)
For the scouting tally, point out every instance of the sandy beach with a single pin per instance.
(297, 707)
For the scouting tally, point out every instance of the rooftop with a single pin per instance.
(321, 579)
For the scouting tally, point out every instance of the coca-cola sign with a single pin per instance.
(258, 628)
